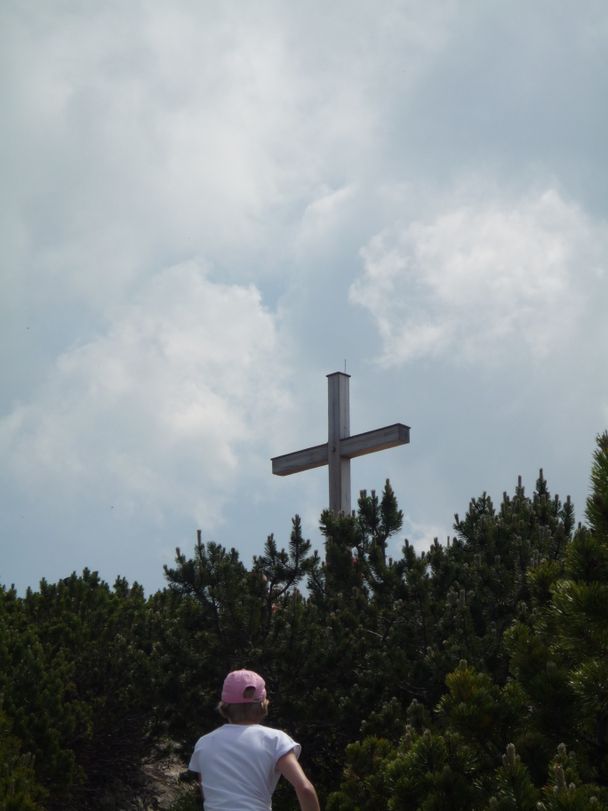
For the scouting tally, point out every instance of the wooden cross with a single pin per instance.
(340, 447)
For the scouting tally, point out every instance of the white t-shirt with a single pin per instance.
(237, 764)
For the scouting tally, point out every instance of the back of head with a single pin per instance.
(243, 697)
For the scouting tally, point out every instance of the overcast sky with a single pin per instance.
(206, 207)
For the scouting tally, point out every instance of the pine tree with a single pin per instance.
(514, 789)
(19, 789)
(580, 612)
(559, 653)
(564, 791)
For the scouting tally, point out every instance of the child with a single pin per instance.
(239, 764)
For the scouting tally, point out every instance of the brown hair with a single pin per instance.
(250, 713)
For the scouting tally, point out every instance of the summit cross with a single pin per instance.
(340, 447)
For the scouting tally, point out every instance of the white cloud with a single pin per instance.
(185, 130)
(323, 216)
(173, 130)
(161, 411)
(483, 280)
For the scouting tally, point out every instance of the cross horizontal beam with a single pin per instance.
(358, 445)
(297, 461)
(378, 440)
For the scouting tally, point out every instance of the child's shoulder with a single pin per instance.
(272, 732)
(214, 733)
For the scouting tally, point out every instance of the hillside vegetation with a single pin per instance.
(473, 675)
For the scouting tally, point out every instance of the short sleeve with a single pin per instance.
(193, 765)
(283, 745)
(195, 760)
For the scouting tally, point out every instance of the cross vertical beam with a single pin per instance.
(338, 411)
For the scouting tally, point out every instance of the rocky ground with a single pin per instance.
(163, 784)
(164, 781)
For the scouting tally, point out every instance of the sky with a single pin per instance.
(206, 208)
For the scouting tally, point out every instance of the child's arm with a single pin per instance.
(305, 791)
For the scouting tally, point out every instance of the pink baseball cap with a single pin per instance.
(235, 684)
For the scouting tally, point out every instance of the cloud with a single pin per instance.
(482, 281)
(163, 409)
(324, 216)
(175, 130)
(186, 130)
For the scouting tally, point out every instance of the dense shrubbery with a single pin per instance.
(470, 676)
(77, 683)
